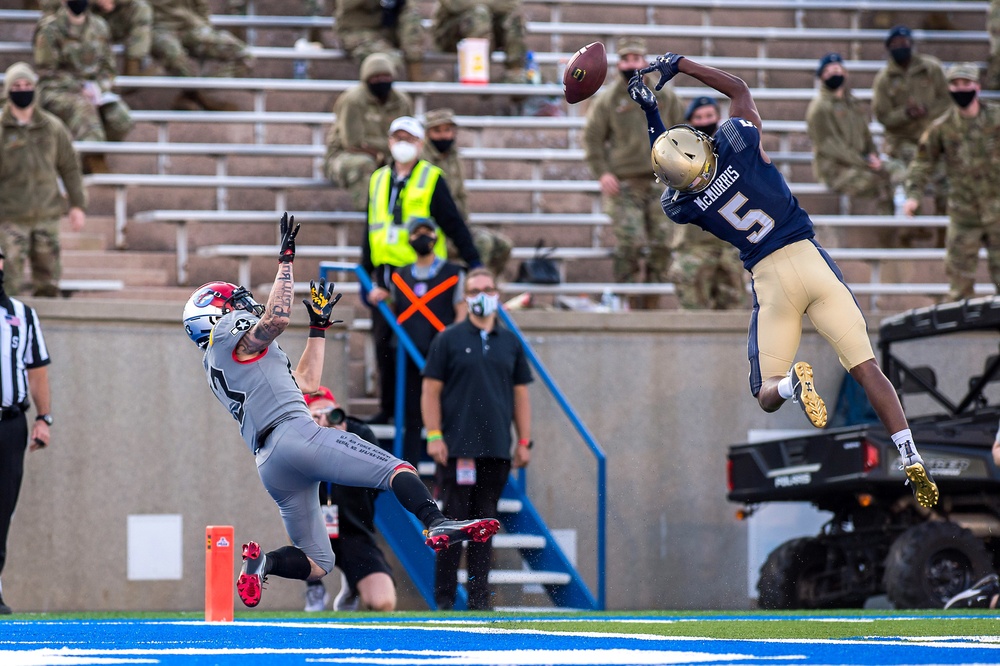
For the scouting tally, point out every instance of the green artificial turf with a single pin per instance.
(716, 624)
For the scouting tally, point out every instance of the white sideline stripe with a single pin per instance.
(527, 657)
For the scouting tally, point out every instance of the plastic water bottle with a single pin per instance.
(899, 199)
(300, 67)
(608, 300)
(531, 68)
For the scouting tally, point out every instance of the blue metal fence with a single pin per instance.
(326, 268)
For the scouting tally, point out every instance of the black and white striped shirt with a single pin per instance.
(22, 347)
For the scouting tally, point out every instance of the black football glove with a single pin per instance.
(641, 94)
(287, 253)
(320, 305)
(667, 65)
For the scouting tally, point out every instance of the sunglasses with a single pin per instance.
(333, 415)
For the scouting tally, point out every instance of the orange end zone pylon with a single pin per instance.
(219, 556)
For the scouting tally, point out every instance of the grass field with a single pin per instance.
(669, 637)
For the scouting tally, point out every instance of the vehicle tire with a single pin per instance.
(931, 562)
(787, 574)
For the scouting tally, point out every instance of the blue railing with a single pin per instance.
(407, 347)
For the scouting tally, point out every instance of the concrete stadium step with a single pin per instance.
(134, 269)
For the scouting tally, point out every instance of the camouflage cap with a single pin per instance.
(628, 45)
(439, 117)
(17, 72)
(377, 63)
(963, 70)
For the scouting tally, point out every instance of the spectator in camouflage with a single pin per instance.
(393, 27)
(907, 95)
(36, 151)
(617, 152)
(358, 141)
(500, 21)
(184, 41)
(706, 271)
(131, 24)
(440, 149)
(845, 158)
(964, 140)
(76, 70)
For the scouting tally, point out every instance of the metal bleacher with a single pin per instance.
(555, 30)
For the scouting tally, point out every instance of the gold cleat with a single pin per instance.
(806, 396)
(923, 486)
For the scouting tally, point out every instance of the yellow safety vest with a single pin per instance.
(390, 243)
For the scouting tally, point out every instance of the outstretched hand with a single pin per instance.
(641, 94)
(320, 305)
(668, 65)
(287, 253)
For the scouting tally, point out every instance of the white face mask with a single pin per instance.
(403, 151)
(482, 305)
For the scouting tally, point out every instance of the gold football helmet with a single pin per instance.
(684, 158)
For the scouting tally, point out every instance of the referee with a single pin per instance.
(24, 369)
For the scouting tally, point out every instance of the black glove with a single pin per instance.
(667, 65)
(641, 94)
(287, 253)
(320, 305)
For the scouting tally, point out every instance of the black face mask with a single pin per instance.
(707, 129)
(77, 6)
(442, 145)
(963, 97)
(380, 90)
(901, 55)
(627, 74)
(423, 245)
(834, 82)
(22, 99)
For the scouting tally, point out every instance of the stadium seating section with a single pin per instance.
(192, 193)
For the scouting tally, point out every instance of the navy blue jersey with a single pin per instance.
(748, 203)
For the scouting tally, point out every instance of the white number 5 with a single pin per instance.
(753, 216)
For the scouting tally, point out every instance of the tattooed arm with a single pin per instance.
(277, 315)
(278, 311)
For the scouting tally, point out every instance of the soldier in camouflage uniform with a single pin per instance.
(993, 25)
(382, 26)
(76, 73)
(500, 21)
(184, 39)
(845, 158)
(440, 150)
(617, 151)
(907, 95)
(965, 140)
(358, 141)
(131, 24)
(706, 271)
(36, 151)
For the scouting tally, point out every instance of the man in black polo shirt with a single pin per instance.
(475, 384)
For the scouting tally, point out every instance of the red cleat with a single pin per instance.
(250, 584)
(449, 532)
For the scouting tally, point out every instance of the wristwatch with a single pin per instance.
(44, 417)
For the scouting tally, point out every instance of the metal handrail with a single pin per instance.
(409, 348)
(588, 439)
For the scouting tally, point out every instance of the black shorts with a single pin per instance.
(358, 557)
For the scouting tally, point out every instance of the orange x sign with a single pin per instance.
(418, 304)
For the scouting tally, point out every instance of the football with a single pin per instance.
(585, 72)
